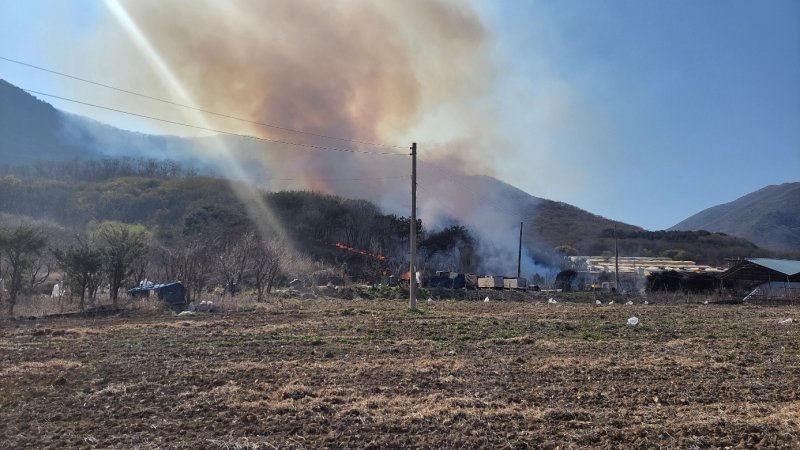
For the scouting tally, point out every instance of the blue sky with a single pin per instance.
(696, 103)
(640, 111)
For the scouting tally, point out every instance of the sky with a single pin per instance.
(641, 111)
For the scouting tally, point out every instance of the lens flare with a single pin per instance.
(252, 199)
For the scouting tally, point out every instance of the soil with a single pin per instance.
(372, 374)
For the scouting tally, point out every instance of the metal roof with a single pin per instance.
(784, 266)
(764, 269)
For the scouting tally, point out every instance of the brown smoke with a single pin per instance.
(356, 69)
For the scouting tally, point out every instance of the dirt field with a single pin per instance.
(371, 374)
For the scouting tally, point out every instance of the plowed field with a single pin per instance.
(371, 374)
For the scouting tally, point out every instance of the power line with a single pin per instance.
(339, 179)
(276, 141)
(277, 127)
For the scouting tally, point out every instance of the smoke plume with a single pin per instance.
(385, 72)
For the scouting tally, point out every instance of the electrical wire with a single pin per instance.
(228, 116)
(339, 179)
(276, 141)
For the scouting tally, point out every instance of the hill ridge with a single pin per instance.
(769, 217)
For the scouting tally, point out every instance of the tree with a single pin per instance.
(38, 271)
(234, 259)
(19, 247)
(123, 246)
(189, 259)
(267, 260)
(565, 278)
(455, 246)
(82, 265)
(566, 250)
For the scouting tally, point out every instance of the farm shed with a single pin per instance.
(173, 294)
(770, 277)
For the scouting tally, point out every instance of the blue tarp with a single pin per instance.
(173, 294)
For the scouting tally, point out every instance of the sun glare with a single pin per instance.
(257, 209)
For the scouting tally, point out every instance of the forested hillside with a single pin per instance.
(199, 229)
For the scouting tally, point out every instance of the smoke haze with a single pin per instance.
(388, 72)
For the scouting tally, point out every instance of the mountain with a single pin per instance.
(769, 217)
(32, 130)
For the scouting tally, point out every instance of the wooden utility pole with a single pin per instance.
(519, 254)
(616, 260)
(412, 279)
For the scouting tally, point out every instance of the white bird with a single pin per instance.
(486, 300)
(598, 302)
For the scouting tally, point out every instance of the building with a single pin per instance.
(766, 278)
(598, 272)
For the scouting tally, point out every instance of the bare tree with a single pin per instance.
(19, 246)
(268, 257)
(83, 265)
(38, 271)
(124, 246)
(234, 260)
(190, 261)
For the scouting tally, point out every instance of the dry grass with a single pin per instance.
(355, 374)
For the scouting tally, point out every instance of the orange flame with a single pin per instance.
(359, 251)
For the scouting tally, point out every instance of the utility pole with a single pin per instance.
(519, 255)
(412, 281)
(616, 260)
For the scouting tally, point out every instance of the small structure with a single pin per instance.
(173, 294)
(766, 277)
(448, 280)
(490, 282)
(515, 283)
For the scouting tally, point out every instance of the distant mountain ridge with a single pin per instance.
(32, 130)
(768, 217)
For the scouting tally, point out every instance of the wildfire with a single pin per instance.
(340, 245)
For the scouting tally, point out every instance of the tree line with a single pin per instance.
(108, 225)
